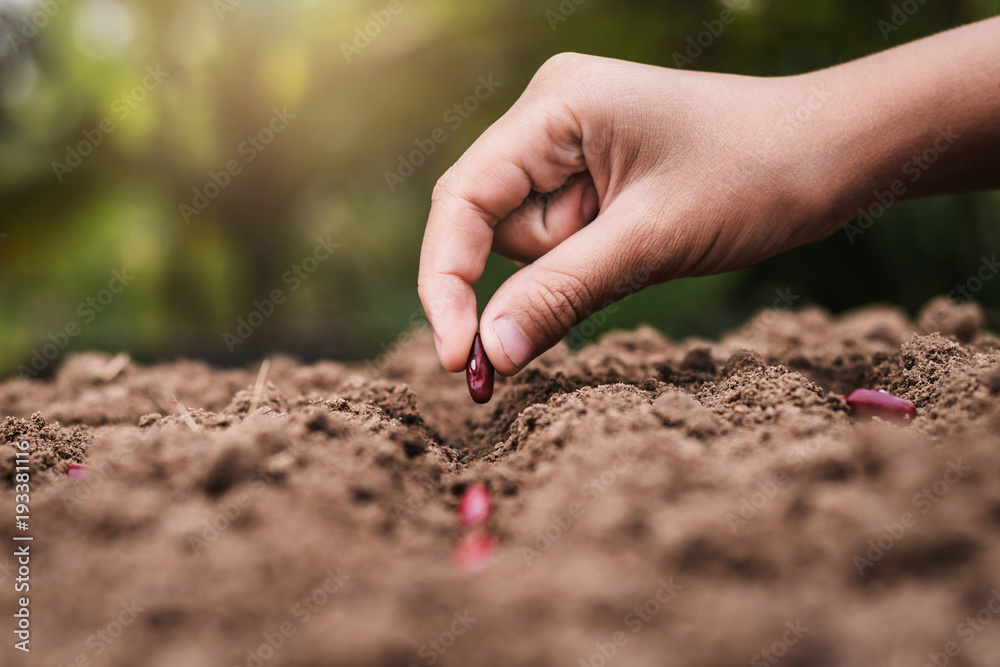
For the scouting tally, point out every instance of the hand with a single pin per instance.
(688, 173)
(681, 165)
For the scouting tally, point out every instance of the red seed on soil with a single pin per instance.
(475, 551)
(479, 373)
(474, 507)
(880, 404)
(77, 471)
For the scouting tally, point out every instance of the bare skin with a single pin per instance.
(690, 174)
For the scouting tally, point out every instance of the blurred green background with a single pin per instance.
(189, 87)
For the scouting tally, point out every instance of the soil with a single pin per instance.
(655, 503)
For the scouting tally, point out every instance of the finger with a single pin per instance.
(545, 220)
(535, 146)
(607, 260)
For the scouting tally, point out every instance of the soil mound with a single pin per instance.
(655, 503)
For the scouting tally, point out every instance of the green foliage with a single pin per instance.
(358, 109)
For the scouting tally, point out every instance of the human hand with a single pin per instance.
(688, 174)
(679, 164)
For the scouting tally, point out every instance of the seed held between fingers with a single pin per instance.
(479, 373)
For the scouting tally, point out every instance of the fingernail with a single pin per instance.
(513, 341)
(437, 344)
(589, 204)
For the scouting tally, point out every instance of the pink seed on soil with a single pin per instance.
(474, 508)
(77, 471)
(479, 373)
(870, 403)
(475, 552)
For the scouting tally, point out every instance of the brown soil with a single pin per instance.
(728, 479)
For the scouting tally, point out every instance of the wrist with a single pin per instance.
(878, 140)
(904, 123)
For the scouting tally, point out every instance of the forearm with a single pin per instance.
(917, 120)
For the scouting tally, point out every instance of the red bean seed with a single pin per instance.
(77, 471)
(870, 403)
(475, 551)
(479, 373)
(474, 507)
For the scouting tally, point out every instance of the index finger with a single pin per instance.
(535, 145)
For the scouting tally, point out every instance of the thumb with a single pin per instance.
(611, 258)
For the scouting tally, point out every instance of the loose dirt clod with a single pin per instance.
(709, 494)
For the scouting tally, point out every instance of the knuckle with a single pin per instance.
(444, 188)
(423, 290)
(563, 64)
(427, 302)
(457, 188)
(558, 72)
